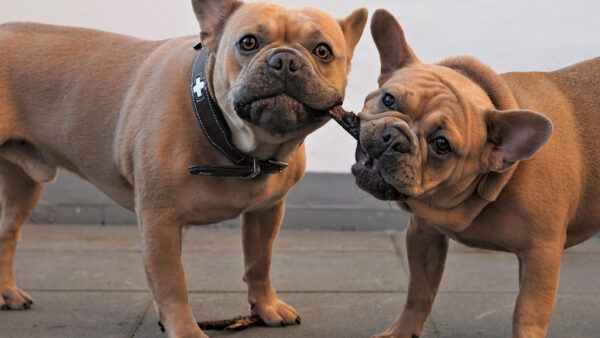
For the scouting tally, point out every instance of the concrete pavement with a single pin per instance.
(89, 281)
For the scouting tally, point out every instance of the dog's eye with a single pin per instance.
(441, 145)
(388, 101)
(323, 51)
(249, 43)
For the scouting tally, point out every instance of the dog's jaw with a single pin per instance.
(369, 178)
(279, 114)
(273, 127)
(247, 137)
(260, 143)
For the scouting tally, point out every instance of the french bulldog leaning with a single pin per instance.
(126, 115)
(505, 162)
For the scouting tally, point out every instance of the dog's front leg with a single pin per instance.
(539, 270)
(426, 251)
(160, 236)
(259, 231)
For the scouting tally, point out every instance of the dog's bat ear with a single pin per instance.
(394, 51)
(353, 26)
(212, 15)
(514, 135)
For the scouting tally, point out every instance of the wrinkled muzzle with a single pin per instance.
(282, 91)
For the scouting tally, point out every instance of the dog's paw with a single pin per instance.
(15, 299)
(382, 335)
(276, 313)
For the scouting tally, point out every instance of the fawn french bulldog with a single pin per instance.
(118, 112)
(505, 162)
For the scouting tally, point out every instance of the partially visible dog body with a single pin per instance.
(118, 112)
(474, 156)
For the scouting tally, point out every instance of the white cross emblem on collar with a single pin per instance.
(198, 87)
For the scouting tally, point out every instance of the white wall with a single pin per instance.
(508, 35)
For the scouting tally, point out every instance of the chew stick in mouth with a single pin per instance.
(348, 120)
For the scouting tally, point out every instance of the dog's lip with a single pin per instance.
(368, 177)
(262, 98)
(321, 112)
(240, 105)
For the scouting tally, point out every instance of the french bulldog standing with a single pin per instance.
(118, 112)
(506, 162)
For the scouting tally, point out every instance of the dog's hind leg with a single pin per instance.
(19, 195)
(539, 272)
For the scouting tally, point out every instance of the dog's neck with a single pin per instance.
(459, 208)
(455, 219)
(252, 140)
(456, 209)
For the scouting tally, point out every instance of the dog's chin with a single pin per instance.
(368, 177)
(279, 114)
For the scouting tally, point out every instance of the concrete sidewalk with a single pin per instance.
(88, 281)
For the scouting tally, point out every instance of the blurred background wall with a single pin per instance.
(508, 35)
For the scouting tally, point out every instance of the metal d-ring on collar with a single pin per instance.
(218, 133)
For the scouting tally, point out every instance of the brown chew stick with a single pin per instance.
(348, 120)
(237, 323)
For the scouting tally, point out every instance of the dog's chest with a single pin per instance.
(483, 233)
(216, 200)
(480, 242)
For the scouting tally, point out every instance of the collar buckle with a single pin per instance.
(256, 169)
(279, 164)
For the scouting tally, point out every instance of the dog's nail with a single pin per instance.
(4, 307)
(298, 320)
(252, 306)
(25, 305)
(162, 327)
(415, 336)
(30, 302)
(283, 323)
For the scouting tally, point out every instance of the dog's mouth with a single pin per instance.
(279, 113)
(366, 170)
(368, 177)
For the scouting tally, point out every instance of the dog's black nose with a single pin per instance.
(276, 62)
(394, 139)
(285, 62)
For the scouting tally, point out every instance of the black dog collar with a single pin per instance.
(217, 132)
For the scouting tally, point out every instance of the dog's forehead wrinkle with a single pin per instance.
(443, 117)
(263, 29)
(458, 105)
(312, 25)
(315, 31)
(419, 91)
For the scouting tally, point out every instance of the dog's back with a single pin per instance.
(50, 67)
(57, 81)
(571, 99)
(47, 65)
